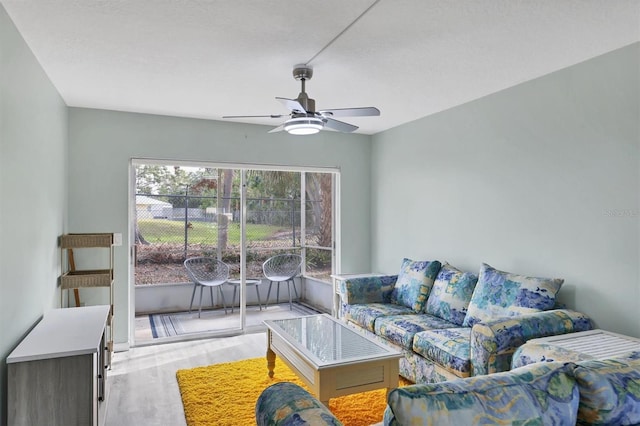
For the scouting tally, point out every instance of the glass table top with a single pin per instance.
(328, 340)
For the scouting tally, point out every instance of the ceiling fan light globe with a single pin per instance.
(300, 130)
(303, 125)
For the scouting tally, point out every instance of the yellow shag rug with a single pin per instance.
(226, 394)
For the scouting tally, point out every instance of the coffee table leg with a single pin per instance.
(394, 372)
(271, 355)
(323, 395)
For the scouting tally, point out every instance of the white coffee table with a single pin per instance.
(330, 357)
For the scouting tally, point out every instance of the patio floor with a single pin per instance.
(155, 328)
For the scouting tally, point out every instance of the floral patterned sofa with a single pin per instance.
(453, 324)
(590, 392)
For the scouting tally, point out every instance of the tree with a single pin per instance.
(287, 184)
(223, 220)
(149, 178)
(273, 184)
(326, 238)
(139, 238)
(204, 185)
(319, 196)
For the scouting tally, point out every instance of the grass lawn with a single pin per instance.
(172, 231)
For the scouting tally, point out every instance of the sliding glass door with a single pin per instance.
(242, 216)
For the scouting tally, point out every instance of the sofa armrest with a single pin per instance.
(286, 403)
(494, 342)
(373, 289)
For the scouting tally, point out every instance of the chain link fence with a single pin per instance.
(172, 228)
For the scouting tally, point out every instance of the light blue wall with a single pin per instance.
(542, 179)
(33, 152)
(101, 144)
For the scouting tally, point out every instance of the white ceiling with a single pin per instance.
(409, 58)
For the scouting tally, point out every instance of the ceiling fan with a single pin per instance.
(304, 119)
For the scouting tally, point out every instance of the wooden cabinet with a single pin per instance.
(57, 374)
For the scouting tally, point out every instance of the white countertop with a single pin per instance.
(63, 332)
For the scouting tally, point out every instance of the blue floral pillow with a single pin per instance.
(451, 293)
(503, 294)
(414, 283)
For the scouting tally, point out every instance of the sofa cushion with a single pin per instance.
(502, 294)
(400, 329)
(414, 283)
(451, 293)
(450, 348)
(537, 394)
(609, 390)
(366, 314)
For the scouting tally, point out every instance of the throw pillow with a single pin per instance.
(502, 294)
(414, 283)
(451, 293)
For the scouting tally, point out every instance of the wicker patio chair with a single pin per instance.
(279, 269)
(207, 272)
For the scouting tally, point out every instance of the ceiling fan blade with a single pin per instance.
(351, 112)
(277, 129)
(293, 105)
(339, 125)
(255, 116)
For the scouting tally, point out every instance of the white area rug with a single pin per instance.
(183, 323)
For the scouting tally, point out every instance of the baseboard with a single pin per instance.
(121, 347)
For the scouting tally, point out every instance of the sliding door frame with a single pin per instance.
(242, 169)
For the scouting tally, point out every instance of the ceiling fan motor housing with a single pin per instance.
(302, 72)
(308, 103)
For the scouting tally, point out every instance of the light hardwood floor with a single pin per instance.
(143, 390)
